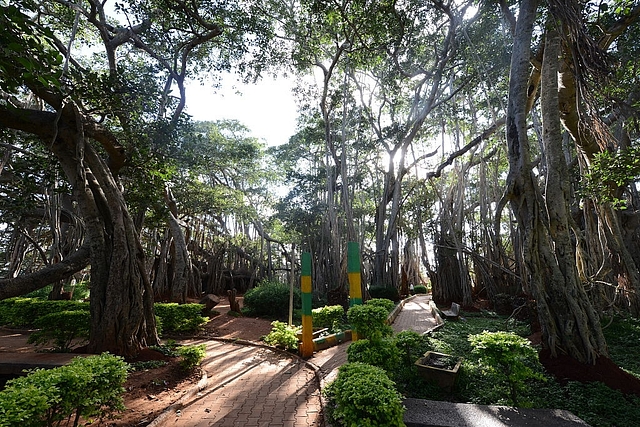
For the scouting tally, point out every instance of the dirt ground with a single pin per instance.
(150, 391)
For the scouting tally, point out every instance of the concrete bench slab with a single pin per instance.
(431, 413)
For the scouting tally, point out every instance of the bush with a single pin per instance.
(369, 321)
(180, 317)
(383, 353)
(61, 328)
(510, 355)
(282, 335)
(363, 395)
(192, 355)
(271, 299)
(25, 311)
(420, 289)
(411, 346)
(87, 387)
(387, 304)
(329, 316)
(387, 292)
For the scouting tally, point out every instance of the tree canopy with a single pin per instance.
(485, 149)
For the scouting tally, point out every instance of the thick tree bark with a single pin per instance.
(569, 323)
(122, 320)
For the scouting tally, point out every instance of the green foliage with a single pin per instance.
(62, 328)
(329, 316)
(610, 171)
(25, 311)
(411, 346)
(87, 387)
(191, 355)
(145, 365)
(369, 321)
(420, 289)
(282, 335)
(510, 355)
(387, 292)
(600, 406)
(363, 396)
(180, 317)
(381, 353)
(623, 340)
(271, 299)
(382, 302)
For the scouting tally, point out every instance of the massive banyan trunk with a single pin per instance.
(122, 320)
(591, 137)
(569, 323)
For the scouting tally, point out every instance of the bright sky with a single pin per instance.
(266, 108)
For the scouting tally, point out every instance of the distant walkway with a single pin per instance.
(415, 315)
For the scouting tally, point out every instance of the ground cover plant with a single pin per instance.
(594, 402)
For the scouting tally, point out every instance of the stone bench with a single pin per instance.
(453, 313)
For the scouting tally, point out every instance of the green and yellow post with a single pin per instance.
(306, 349)
(355, 279)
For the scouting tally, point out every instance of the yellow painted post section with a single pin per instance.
(355, 278)
(306, 349)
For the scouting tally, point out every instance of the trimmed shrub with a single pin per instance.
(87, 387)
(411, 346)
(369, 321)
(329, 316)
(191, 355)
(180, 317)
(420, 289)
(382, 353)
(282, 335)
(387, 292)
(61, 328)
(363, 395)
(25, 311)
(270, 299)
(509, 355)
(387, 304)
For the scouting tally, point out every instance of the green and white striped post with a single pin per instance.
(306, 349)
(355, 278)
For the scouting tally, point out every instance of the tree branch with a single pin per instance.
(32, 282)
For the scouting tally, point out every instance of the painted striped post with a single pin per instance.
(355, 280)
(306, 349)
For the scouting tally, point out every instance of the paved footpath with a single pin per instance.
(250, 385)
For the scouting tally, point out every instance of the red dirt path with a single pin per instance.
(566, 368)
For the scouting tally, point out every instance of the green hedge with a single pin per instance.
(180, 317)
(369, 321)
(387, 292)
(61, 328)
(23, 312)
(363, 395)
(329, 316)
(87, 387)
(420, 289)
(382, 353)
(270, 299)
(387, 304)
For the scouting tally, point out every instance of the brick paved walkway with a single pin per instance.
(252, 386)
(256, 386)
(415, 315)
